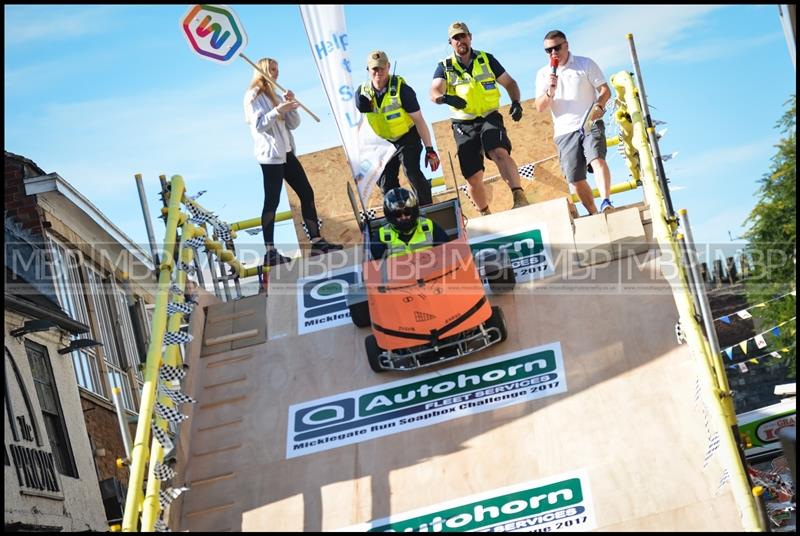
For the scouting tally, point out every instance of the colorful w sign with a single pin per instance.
(214, 32)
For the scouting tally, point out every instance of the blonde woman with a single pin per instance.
(271, 119)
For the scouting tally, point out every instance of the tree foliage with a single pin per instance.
(772, 239)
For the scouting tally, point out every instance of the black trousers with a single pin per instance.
(294, 174)
(411, 145)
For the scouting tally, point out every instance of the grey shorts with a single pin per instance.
(575, 151)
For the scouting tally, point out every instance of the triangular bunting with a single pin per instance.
(726, 319)
(743, 346)
(760, 342)
(776, 354)
(754, 361)
(729, 352)
(742, 367)
(776, 331)
(743, 314)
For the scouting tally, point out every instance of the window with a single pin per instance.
(67, 281)
(51, 408)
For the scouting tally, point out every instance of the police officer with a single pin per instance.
(467, 81)
(393, 113)
(405, 231)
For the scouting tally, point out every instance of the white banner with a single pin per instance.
(327, 35)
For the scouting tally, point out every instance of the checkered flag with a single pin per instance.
(169, 374)
(679, 333)
(305, 229)
(185, 308)
(196, 242)
(163, 472)
(175, 289)
(198, 194)
(176, 396)
(371, 214)
(170, 414)
(526, 171)
(200, 218)
(188, 268)
(166, 496)
(177, 337)
(713, 445)
(160, 526)
(223, 230)
(162, 436)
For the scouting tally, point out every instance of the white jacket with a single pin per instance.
(271, 136)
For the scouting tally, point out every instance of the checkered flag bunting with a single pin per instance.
(175, 289)
(196, 242)
(163, 472)
(170, 414)
(185, 308)
(176, 396)
(177, 337)
(526, 171)
(162, 437)
(166, 496)
(726, 476)
(168, 373)
(371, 214)
(160, 526)
(198, 194)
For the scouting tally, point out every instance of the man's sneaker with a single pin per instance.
(519, 199)
(322, 246)
(606, 207)
(273, 258)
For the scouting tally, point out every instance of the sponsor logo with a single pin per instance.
(556, 504)
(322, 300)
(424, 400)
(526, 249)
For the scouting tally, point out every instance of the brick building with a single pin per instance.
(63, 254)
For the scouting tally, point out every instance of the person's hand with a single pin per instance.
(515, 111)
(289, 95)
(431, 158)
(453, 100)
(287, 107)
(553, 84)
(597, 112)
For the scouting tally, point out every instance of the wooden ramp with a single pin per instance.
(584, 418)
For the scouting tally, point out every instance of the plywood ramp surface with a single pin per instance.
(627, 419)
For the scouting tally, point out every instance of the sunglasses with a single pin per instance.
(555, 48)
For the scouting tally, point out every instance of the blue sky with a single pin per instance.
(99, 93)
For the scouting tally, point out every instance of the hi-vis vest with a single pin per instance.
(390, 121)
(478, 88)
(421, 240)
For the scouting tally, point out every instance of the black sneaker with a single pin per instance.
(322, 246)
(273, 258)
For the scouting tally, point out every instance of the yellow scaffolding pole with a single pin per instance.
(139, 452)
(716, 394)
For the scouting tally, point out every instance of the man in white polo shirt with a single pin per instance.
(574, 89)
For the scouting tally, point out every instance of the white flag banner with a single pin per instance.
(366, 152)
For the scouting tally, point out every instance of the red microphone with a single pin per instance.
(554, 63)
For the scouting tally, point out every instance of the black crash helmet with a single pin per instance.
(399, 201)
